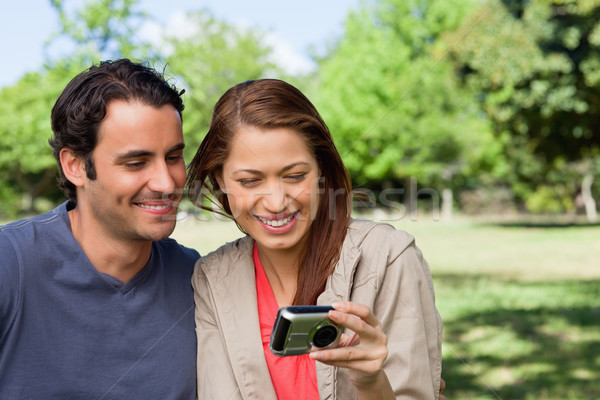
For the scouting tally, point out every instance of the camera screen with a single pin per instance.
(280, 334)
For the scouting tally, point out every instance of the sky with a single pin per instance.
(293, 27)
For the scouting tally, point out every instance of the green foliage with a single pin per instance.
(549, 199)
(99, 29)
(102, 29)
(209, 60)
(390, 98)
(26, 161)
(536, 65)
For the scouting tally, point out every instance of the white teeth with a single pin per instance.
(276, 222)
(149, 207)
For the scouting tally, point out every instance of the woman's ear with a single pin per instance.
(219, 178)
(73, 166)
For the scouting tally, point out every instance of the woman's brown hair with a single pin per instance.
(272, 103)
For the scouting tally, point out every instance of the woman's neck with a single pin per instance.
(281, 269)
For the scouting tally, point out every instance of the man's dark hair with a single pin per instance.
(81, 107)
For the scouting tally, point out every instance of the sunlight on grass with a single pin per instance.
(205, 235)
(487, 341)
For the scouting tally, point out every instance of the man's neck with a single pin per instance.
(121, 259)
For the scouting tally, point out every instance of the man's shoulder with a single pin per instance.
(24, 244)
(172, 248)
(27, 230)
(32, 222)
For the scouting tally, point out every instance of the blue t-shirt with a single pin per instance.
(68, 331)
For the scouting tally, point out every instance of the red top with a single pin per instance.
(293, 377)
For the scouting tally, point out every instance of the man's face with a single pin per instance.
(140, 173)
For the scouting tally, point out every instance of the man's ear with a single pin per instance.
(73, 166)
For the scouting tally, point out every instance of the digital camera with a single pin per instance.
(298, 329)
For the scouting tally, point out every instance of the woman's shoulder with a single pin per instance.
(379, 246)
(366, 234)
(227, 255)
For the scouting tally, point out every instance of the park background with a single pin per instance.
(474, 125)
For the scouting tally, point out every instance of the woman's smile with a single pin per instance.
(281, 224)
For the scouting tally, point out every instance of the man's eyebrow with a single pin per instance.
(146, 153)
(179, 146)
(134, 154)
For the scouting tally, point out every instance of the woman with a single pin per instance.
(269, 162)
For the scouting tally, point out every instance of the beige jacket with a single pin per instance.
(379, 266)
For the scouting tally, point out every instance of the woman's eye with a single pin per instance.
(295, 177)
(247, 182)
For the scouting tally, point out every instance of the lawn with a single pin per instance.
(520, 303)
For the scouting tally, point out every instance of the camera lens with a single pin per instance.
(324, 336)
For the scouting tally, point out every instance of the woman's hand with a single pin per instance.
(363, 352)
(442, 387)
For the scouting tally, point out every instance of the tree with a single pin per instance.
(536, 67)
(391, 100)
(28, 169)
(100, 29)
(210, 59)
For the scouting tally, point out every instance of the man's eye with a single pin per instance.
(175, 157)
(134, 164)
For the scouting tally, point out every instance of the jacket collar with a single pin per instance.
(232, 282)
(339, 284)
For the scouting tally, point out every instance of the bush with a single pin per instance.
(549, 200)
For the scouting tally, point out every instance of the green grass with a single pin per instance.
(520, 303)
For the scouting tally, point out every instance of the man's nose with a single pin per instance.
(162, 179)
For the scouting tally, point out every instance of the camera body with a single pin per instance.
(298, 329)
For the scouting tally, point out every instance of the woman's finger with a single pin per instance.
(349, 339)
(366, 361)
(360, 310)
(351, 353)
(357, 325)
(349, 321)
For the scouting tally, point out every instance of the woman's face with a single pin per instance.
(271, 180)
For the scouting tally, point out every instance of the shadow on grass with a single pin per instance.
(539, 352)
(545, 223)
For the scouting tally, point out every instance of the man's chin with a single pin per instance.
(162, 232)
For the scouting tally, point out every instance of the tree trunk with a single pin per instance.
(34, 185)
(447, 199)
(410, 196)
(588, 200)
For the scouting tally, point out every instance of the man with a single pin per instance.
(95, 301)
